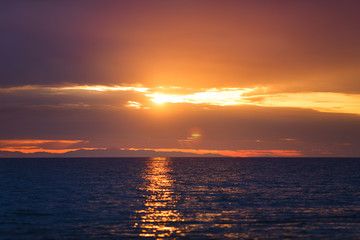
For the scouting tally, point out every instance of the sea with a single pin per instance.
(180, 198)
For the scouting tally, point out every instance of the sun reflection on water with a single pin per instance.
(159, 217)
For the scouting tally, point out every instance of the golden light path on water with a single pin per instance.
(159, 213)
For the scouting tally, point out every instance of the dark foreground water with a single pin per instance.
(180, 198)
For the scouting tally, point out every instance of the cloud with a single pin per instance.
(136, 96)
(27, 146)
(133, 152)
(233, 153)
(320, 101)
(112, 152)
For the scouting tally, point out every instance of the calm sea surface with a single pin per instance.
(180, 198)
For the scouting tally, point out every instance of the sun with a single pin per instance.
(164, 98)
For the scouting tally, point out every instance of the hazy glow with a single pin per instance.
(194, 137)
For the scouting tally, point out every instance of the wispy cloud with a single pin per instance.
(97, 88)
(319, 101)
(136, 105)
(41, 145)
(32, 142)
(30, 146)
(229, 153)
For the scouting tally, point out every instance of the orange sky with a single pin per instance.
(258, 78)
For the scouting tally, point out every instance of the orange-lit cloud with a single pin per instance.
(43, 150)
(229, 153)
(331, 102)
(33, 142)
(40, 145)
(133, 104)
(319, 101)
(64, 146)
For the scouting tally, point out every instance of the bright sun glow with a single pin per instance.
(220, 97)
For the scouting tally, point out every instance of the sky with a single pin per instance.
(180, 78)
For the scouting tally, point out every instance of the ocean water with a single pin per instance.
(180, 198)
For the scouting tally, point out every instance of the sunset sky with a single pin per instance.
(147, 78)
